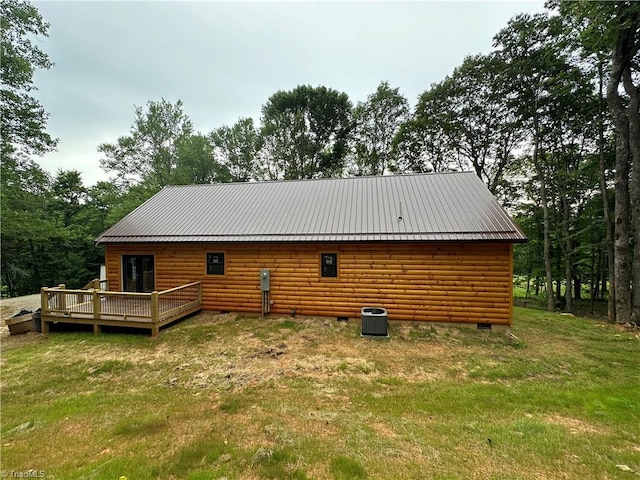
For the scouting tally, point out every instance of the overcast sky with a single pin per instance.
(224, 59)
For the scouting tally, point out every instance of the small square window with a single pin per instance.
(215, 263)
(329, 262)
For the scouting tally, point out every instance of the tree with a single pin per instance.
(150, 152)
(469, 110)
(545, 84)
(70, 193)
(27, 222)
(238, 147)
(22, 118)
(615, 26)
(48, 234)
(196, 162)
(604, 191)
(595, 49)
(376, 123)
(112, 202)
(421, 147)
(305, 133)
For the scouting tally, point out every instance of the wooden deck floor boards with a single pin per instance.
(150, 311)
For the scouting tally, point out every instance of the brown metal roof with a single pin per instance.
(432, 207)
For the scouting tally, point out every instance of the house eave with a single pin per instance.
(506, 237)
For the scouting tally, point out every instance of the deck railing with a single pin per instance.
(176, 300)
(102, 307)
(97, 284)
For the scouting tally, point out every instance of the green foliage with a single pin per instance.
(22, 118)
(238, 147)
(553, 98)
(533, 92)
(30, 222)
(48, 232)
(376, 123)
(69, 194)
(545, 84)
(305, 133)
(465, 117)
(150, 153)
(421, 148)
(598, 24)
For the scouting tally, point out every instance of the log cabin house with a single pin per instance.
(429, 247)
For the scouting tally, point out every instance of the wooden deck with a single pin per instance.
(123, 309)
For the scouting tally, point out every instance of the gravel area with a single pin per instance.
(10, 306)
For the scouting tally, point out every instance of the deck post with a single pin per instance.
(63, 297)
(96, 304)
(155, 307)
(155, 314)
(44, 301)
(44, 310)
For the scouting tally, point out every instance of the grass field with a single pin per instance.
(220, 396)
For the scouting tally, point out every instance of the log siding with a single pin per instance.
(466, 282)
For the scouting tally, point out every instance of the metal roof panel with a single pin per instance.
(434, 207)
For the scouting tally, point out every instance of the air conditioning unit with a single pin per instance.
(374, 322)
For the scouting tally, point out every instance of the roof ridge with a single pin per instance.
(327, 179)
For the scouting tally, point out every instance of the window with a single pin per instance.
(215, 263)
(329, 263)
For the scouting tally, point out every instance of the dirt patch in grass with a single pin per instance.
(305, 352)
(74, 428)
(383, 430)
(576, 426)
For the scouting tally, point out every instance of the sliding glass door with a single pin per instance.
(137, 273)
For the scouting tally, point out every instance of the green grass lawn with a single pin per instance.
(220, 396)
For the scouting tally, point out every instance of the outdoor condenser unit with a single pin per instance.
(374, 322)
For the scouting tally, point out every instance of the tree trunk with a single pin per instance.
(593, 287)
(34, 261)
(566, 230)
(633, 113)
(595, 294)
(611, 306)
(622, 276)
(546, 223)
